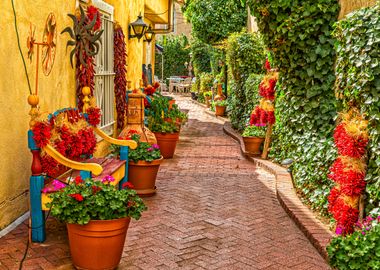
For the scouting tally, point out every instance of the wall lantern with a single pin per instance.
(149, 34)
(138, 28)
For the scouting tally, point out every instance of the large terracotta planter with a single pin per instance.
(99, 244)
(220, 110)
(167, 143)
(143, 176)
(253, 144)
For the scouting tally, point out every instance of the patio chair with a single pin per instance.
(185, 85)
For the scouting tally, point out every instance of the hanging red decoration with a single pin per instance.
(91, 13)
(348, 171)
(120, 67)
(93, 116)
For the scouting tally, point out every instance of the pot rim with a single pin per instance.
(143, 162)
(100, 221)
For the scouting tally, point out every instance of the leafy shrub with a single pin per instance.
(360, 250)
(358, 82)
(254, 131)
(214, 20)
(144, 151)
(298, 33)
(176, 53)
(245, 55)
(206, 81)
(200, 56)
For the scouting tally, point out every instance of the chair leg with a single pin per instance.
(36, 213)
(124, 150)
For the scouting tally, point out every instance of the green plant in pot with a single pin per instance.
(165, 123)
(97, 214)
(253, 137)
(208, 96)
(220, 107)
(144, 163)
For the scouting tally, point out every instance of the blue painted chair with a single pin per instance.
(85, 166)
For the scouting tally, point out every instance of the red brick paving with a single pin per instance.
(213, 210)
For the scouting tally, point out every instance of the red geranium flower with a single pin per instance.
(96, 189)
(128, 185)
(78, 180)
(77, 196)
(267, 65)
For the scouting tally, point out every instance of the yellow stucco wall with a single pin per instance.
(55, 91)
(348, 6)
(157, 10)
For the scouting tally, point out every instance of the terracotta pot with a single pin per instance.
(253, 144)
(99, 244)
(167, 143)
(220, 110)
(143, 176)
(171, 102)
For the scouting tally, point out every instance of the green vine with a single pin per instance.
(298, 33)
(358, 83)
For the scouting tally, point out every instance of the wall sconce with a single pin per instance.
(149, 35)
(137, 29)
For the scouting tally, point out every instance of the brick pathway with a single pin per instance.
(213, 210)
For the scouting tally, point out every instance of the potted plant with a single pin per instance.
(253, 137)
(208, 96)
(97, 215)
(144, 162)
(220, 107)
(165, 123)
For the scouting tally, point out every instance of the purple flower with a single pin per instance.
(150, 149)
(156, 146)
(363, 233)
(108, 179)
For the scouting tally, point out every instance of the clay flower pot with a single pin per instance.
(171, 102)
(98, 244)
(143, 176)
(253, 144)
(220, 110)
(167, 143)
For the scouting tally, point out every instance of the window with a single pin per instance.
(104, 71)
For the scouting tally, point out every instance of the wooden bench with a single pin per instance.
(63, 156)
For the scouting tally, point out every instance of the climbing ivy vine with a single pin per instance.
(358, 82)
(298, 32)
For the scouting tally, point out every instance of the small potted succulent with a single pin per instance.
(144, 163)
(97, 215)
(253, 137)
(220, 107)
(208, 96)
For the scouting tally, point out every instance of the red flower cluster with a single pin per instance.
(93, 116)
(95, 189)
(77, 196)
(156, 85)
(347, 173)
(91, 12)
(348, 145)
(41, 133)
(149, 90)
(261, 117)
(267, 65)
(267, 89)
(128, 185)
(78, 180)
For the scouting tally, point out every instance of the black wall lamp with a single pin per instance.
(149, 34)
(138, 28)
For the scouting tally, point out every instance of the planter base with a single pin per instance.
(146, 192)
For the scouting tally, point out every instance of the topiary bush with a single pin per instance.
(358, 83)
(298, 33)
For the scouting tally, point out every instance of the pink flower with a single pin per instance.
(156, 146)
(150, 149)
(108, 179)
(58, 185)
